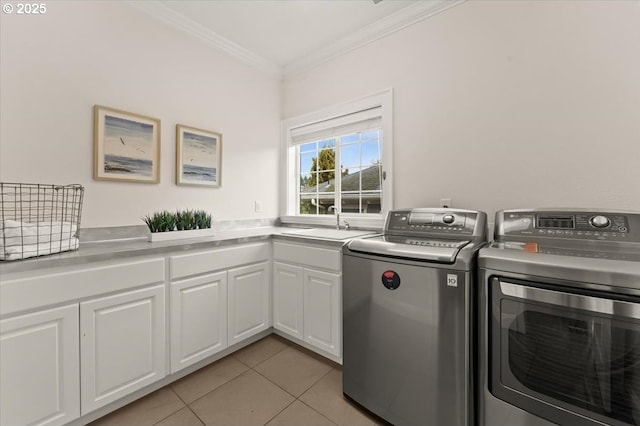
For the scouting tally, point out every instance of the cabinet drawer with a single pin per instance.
(66, 285)
(214, 260)
(316, 257)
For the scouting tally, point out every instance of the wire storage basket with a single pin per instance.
(38, 219)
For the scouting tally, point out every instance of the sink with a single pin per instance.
(327, 233)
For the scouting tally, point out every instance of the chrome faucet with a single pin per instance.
(335, 212)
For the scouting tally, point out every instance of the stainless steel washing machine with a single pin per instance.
(559, 319)
(407, 316)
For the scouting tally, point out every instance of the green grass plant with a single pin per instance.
(185, 220)
(202, 219)
(180, 220)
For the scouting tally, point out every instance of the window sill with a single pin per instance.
(372, 223)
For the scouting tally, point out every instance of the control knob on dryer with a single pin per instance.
(448, 219)
(600, 221)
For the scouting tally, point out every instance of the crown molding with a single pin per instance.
(375, 31)
(163, 13)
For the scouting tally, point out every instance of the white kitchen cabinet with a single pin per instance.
(122, 345)
(198, 319)
(216, 302)
(249, 301)
(288, 299)
(307, 299)
(323, 310)
(39, 368)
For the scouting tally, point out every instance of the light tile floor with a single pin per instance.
(271, 382)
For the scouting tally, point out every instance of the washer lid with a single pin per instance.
(430, 250)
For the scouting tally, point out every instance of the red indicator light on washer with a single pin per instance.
(390, 280)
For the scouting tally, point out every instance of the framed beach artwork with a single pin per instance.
(198, 156)
(126, 146)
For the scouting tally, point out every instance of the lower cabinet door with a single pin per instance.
(249, 301)
(198, 319)
(122, 345)
(287, 299)
(40, 368)
(323, 311)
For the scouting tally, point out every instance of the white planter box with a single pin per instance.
(179, 235)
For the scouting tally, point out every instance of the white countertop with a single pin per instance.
(95, 251)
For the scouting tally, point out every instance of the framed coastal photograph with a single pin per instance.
(198, 156)
(126, 146)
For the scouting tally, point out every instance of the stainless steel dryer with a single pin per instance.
(560, 319)
(406, 316)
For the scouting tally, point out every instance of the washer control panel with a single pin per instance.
(425, 222)
(568, 225)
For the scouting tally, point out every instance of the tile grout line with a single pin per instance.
(275, 384)
(304, 391)
(234, 378)
(218, 387)
(181, 400)
(264, 360)
(317, 381)
(310, 407)
(269, 380)
(249, 368)
(286, 344)
(176, 394)
(197, 416)
(279, 412)
(296, 398)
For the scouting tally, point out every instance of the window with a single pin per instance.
(346, 170)
(339, 161)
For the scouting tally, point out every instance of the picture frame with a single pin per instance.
(198, 157)
(126, 146)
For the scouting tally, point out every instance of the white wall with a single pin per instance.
(55, 67)
(497, 105)
(503, 104)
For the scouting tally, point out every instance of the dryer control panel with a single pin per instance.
(568, 225)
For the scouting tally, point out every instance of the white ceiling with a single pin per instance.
(283, 31)
(283, 37)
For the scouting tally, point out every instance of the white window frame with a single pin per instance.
(290, 173)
